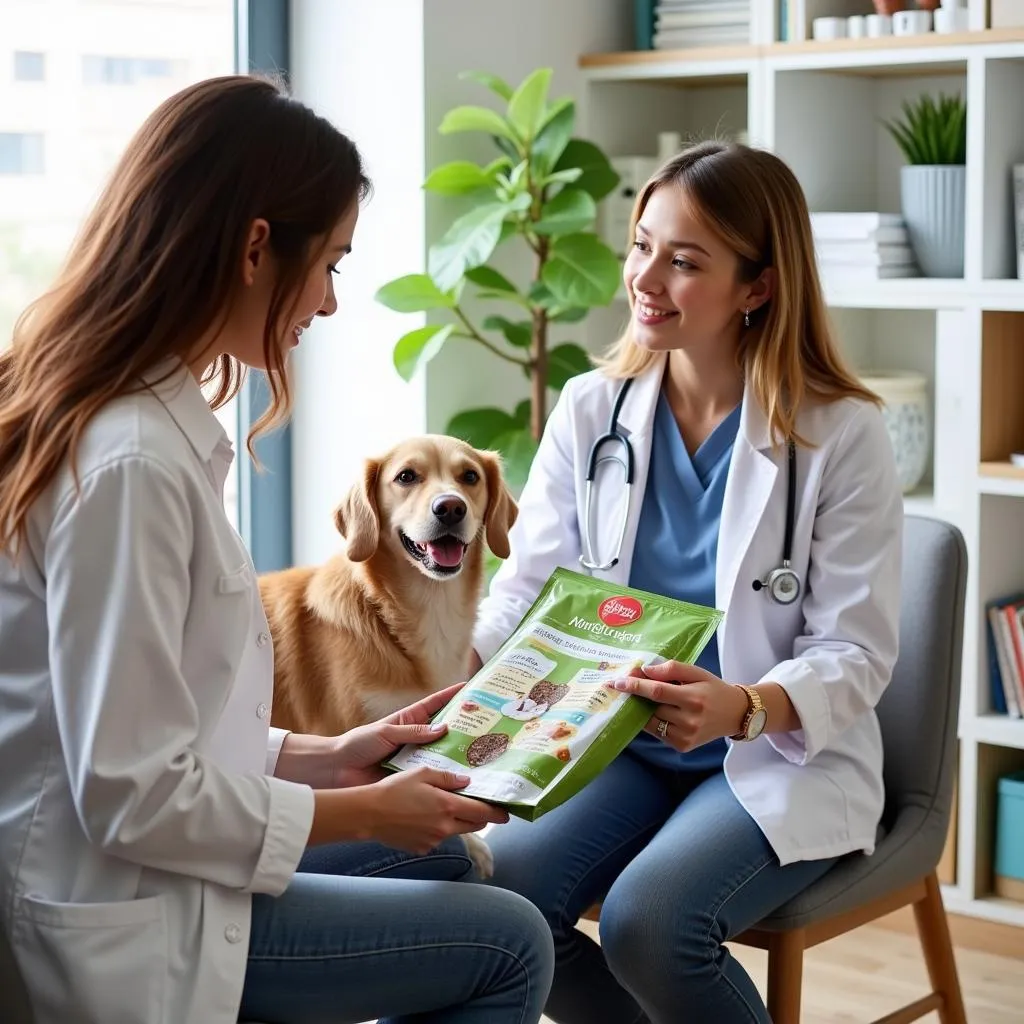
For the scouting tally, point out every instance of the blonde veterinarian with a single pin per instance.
(737, 796)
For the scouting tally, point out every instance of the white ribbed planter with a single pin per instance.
(932, 197)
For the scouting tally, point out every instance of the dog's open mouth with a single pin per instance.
(442, 554)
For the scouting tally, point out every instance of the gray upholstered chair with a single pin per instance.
(918, 715)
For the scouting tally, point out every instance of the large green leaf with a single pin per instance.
(489, 278)
(581, 271)
(527, 106)
(598, 177)
(565, 361)
(572, 315)
(553, 136)
(522, 413)
(477, 119)
(480, 427)
(570, 211)
(518, 449)
(493, 82)
(413, 293)
(516, 333)
(467, 243)
(457, 178)
(418, 347)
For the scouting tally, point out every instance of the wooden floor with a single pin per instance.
(868, 973)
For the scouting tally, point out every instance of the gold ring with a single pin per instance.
(662, 727)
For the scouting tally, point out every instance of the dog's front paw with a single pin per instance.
(480, 854)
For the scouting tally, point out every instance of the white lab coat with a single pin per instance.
(816, 792)
(137, 815)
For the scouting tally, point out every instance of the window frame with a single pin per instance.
(264, 496)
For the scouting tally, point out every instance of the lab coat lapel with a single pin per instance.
(752, 474)
(636, 421)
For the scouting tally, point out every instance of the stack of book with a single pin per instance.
(680, 24)
(863, 246)
(1005, 635)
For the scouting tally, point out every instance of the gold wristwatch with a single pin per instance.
(755, 719)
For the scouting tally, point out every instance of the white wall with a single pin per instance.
(360, 65)
(386, 72)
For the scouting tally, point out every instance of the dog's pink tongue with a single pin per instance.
(446, 552)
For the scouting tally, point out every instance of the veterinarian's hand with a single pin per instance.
(698, 706)
(416, 810)
(358, 753)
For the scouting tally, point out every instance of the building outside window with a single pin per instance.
(29, 66)
(97, 68)
(21, 153)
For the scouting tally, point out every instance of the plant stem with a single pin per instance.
(474, 335)
(539, 353)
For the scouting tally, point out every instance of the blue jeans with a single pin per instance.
(365, 932)
(681, 867)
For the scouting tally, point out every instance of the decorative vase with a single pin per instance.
(932, 200)
(906, 414)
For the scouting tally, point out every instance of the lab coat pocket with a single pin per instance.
(235, 582)
(87, 962)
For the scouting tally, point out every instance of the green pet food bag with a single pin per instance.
(535, 724)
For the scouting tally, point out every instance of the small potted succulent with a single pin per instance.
(932, 135)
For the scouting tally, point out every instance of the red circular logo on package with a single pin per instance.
(620, 611)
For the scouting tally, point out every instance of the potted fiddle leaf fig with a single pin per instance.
(932, 135)
(540, 192)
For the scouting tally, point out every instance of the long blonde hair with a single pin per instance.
(754, 203)
(157, 265)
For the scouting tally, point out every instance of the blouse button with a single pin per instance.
(261, 710)
(233, 933)
(261, 640)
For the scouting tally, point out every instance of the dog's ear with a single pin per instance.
(357, 518)
(502, 509)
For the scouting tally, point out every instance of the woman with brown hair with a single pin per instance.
(763, 483)
(151, 823)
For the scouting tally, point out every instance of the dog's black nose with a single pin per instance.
(448, 509)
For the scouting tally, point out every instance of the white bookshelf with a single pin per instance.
(818, 105)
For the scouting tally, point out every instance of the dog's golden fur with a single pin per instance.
(381, 624)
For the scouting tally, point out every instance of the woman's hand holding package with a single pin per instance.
(412, 811)
(697, 705)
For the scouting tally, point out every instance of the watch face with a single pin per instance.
(757, 722)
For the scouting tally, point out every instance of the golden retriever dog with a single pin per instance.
(389, 620)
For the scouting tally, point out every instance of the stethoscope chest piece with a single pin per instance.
(782, 584)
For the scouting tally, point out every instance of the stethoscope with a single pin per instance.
(782, 583)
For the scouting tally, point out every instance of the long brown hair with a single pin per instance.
(157, 264)
(753, 202)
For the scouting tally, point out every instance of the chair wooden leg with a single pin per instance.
(933, 930)
(785, 976)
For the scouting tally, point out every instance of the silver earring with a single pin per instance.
(746, 317)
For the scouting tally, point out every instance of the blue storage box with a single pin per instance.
(1009, 862)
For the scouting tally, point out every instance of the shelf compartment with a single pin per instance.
(902, 340)
(993, 762)
(1004, 147)
(828, 126)
(1002, 411)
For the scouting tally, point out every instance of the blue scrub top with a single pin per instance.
(677, 545)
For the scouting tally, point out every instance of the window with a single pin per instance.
(125, 70)
(29, 66)
(59, 141)
(21, 153)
